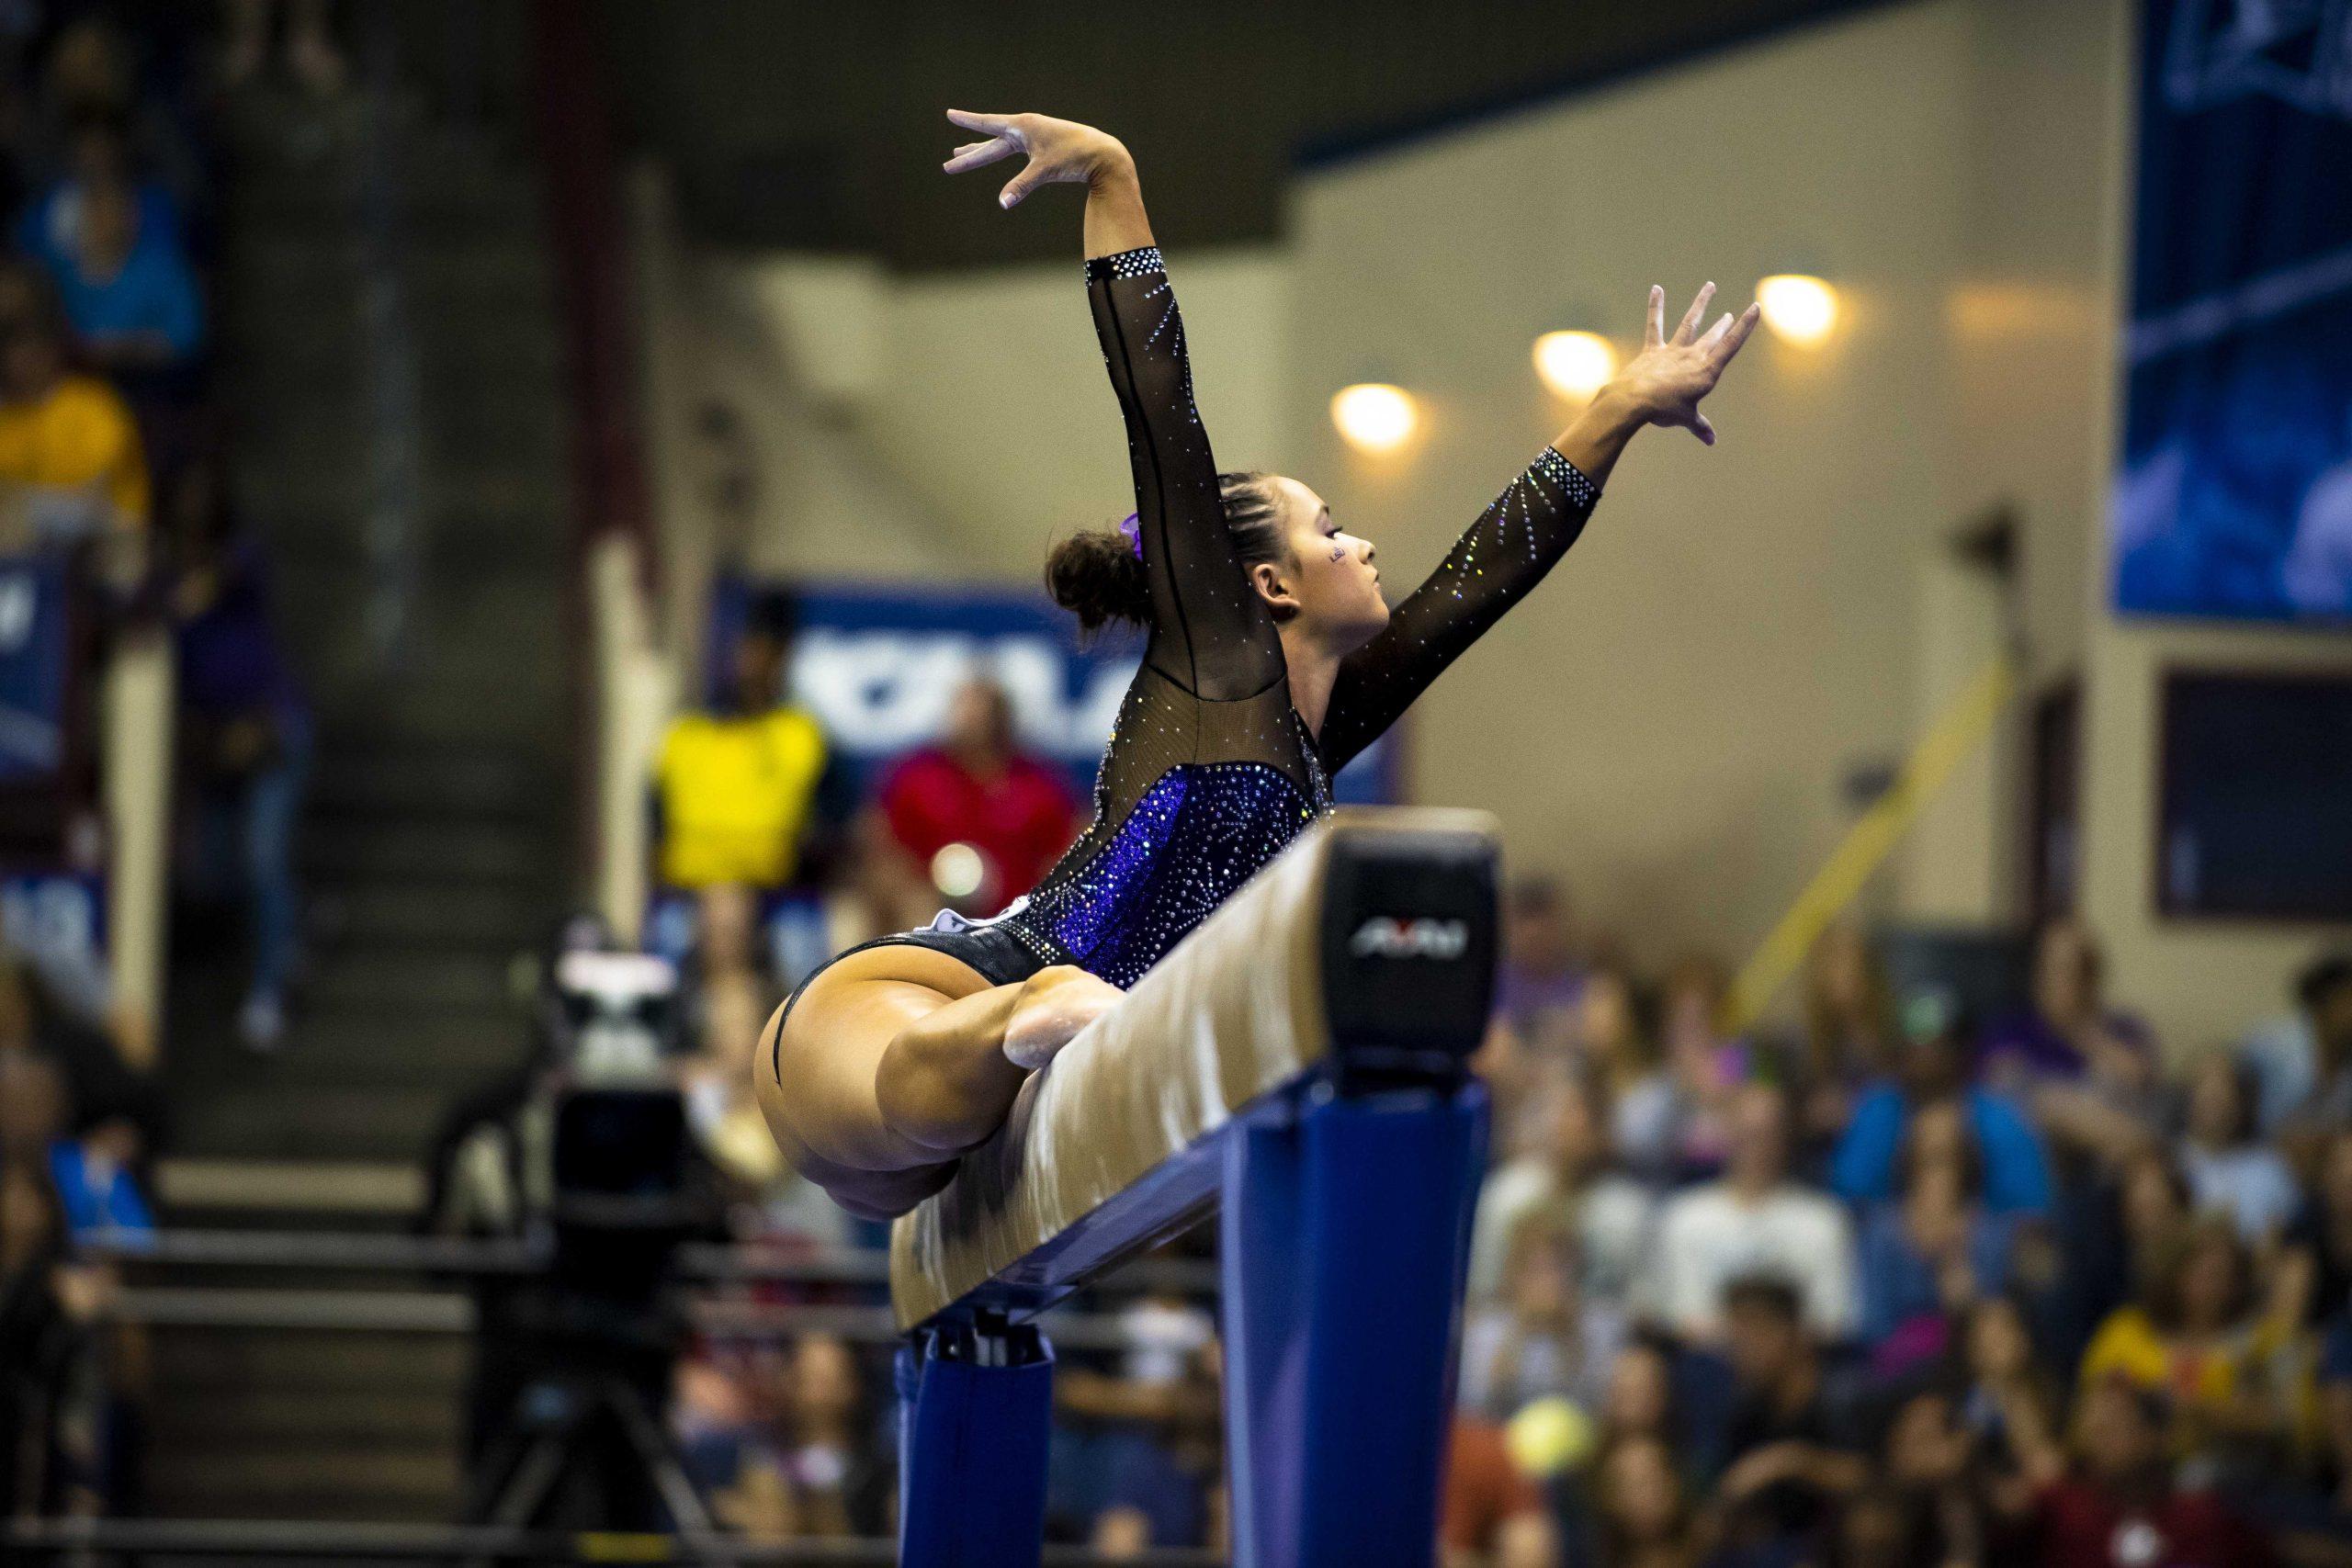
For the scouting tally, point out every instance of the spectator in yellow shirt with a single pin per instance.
(2232, 1357)
(747, 791)
(71, 466)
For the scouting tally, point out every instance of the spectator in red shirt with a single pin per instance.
(974, 819)
(2118, 1507)
(1488, 1511)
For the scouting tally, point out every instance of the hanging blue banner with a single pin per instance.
(2235, 496)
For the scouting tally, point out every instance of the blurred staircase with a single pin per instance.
(391, 356)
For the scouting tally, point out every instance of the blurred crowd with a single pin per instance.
(1898, 1285)
(116, 530)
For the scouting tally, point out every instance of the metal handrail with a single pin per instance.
(247, 1538)
(452, 1311)
(746, 1262)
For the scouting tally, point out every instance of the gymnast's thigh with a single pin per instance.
(816, 1065)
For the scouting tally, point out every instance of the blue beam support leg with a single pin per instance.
(975, 1415)
(1345, 1241)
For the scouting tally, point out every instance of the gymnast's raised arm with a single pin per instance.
(1210, 631)
(1503, 555)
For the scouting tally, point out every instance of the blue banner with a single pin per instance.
(2235, 497)
(878, 665)
(32, 665)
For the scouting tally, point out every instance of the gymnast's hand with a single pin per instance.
(1061, 151)
(1056, 1003)
(1664, 383)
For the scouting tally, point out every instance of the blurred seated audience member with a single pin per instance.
(91, 76)
(714, 1424)
(112, 252)
(2320, 1241)
(975, 820)
(1543, 1339)
(1932, 1250)
(95, 1188)
(1640, 1399)
(1570, 1174)
(2010, 1406)
(747, 791)
(1705, 1067)
(1753, 1221)
(731, 955)
(2302, 1063)
(1541, 977)
(1136, 1458)
(1646, 1112)
(1644, 1515)
(767, 1200)
(2052, 1037)
(1930, 1069)
(1849, 1038)
(1490, 1515)
(2230, 1171)
(246, 736)
(72, 468)
(820, 1478)
(1926, 1474)
(2121, 1104)
(1789, 1459)
(100, 1088)
(2235, 1360)
(2118, 1505)
(2335, 1378)
(64, 1411)
(312, 59)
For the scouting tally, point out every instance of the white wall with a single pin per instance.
(1669, 723)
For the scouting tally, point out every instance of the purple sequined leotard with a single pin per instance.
(1210, 772)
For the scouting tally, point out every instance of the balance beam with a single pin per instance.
(1300, 1060)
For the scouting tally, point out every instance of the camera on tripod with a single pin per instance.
(620, 1203)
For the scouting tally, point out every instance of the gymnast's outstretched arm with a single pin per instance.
(1211, 632)
(1526, 529)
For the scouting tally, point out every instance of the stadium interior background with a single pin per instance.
(468, 468)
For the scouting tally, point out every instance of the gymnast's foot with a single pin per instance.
(1055, 1005)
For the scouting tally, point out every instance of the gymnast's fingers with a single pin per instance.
(1737, 334)
(973, 154)
(992, 124)
(1654, 330)
(1703, 428)
(1694, 315)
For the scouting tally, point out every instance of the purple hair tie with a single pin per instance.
(1131, 529)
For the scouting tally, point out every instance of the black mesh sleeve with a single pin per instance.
(1497, 561)
(1211, 634)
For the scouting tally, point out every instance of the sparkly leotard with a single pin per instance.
(1210, 771)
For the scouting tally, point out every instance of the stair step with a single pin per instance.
(351, 1194)
(192, 1414)
(295, 1121)
(229, 1479)
(431, 853)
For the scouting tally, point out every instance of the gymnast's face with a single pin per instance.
(1329, 585)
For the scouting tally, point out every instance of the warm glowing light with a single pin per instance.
(1798, 308)
(957, 870)
(1575, 365)
(1374, 416)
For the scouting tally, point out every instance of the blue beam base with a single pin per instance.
(976, 1409)
(1345, 1241)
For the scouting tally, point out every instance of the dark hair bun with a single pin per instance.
(1096, 577)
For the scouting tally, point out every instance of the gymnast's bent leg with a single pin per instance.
(896, 1059)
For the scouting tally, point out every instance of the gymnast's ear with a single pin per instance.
(1277, 587)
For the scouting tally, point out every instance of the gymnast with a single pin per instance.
(1270, 660)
